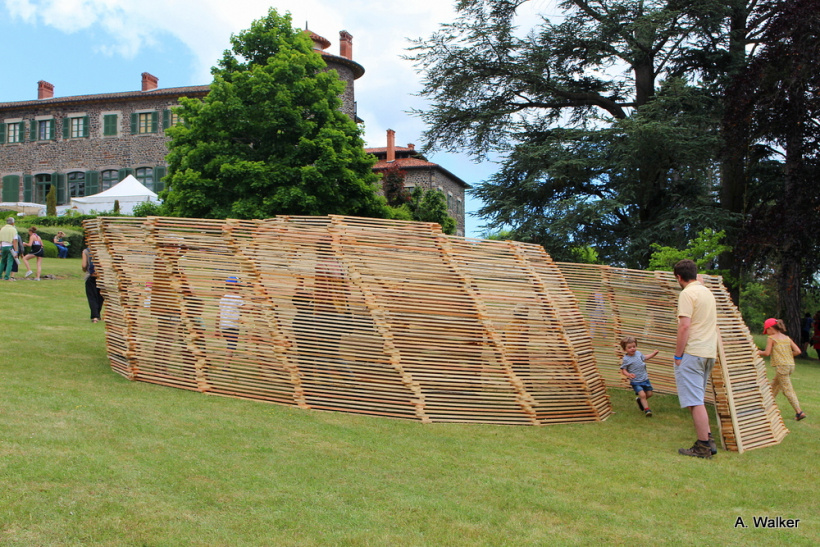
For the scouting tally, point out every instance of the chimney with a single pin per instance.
(346, 45)
(149, 81)
(411, 146)
(391, 145)
(45, 90)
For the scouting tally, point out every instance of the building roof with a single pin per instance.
(188, 91)
(417, 162)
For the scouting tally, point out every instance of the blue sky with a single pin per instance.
(101, 46)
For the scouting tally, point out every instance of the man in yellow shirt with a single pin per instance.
(695, 353)
(8, 247)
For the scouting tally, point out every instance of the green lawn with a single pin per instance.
(89, 458)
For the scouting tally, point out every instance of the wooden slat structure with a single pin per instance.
(348, 314)
(618, 302)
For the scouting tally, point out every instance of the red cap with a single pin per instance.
(770, 322)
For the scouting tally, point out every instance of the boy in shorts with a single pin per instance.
(633, 368)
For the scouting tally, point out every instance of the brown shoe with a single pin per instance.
(712, 445)
(699, 450)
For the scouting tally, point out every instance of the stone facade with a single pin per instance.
(83, 145)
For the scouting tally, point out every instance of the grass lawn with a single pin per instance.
(89, 458)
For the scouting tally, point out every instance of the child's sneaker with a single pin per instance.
(647, 413)
(28, 273)
(638, 400)
(800, 416)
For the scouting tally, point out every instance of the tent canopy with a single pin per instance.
(129, 192)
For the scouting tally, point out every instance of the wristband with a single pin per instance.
(678, 358)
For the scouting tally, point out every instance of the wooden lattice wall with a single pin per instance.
(618, 302)
(357, 315)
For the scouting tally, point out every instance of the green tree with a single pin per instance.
(269, 138)
(51, 201)
(431, 206)
(603, 142)
(704, 250)
(393, 180)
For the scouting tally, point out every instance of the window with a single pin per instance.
(75, 127)
(45, 130)
(76, 184)
(109, 179)
(14, 132)
(146, 176)
(110, 123)
(42, 184)
(170, 118)
(143, 123)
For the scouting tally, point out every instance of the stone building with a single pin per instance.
(420, 172)
(85, 144)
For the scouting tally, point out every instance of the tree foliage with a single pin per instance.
(269, 138)
(603, 142)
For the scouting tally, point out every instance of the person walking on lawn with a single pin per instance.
(8, 247)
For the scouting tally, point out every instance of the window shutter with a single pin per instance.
(2, 133)
(92, 182)
(32, 130)
(66, 128)
(28, 183)
(110, 125)
(61, 193)
(125, 172)
(52, 134)
(11, 188)
(159, 173)
(154, 123)
(134, 121)
(22, 134)
(85, 126)
(166, 119)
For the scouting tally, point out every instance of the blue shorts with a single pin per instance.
(641, 386)
(692, 373)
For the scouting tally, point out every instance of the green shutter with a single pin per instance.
(2, 133)
(11, 188)
(61, 189)
(27, 188)
(86, 126)
(92, 182)
(32, 130)
(166, 119)
(52, 134)
(134, 122)
(22, 134)
(154, 122)
(110, 125)
(159, 173)
(124, 173)
(66, 128)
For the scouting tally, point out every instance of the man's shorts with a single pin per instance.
(641, 386)
(691, 376)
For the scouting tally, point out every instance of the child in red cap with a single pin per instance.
(782, 349)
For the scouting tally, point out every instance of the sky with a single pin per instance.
(103, 46)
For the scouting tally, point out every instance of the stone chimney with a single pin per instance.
(149, 81)
(45, 90)
(346, 45)
(391, 145)
(411, 146)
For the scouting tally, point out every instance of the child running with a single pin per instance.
(633, 369)
(782, 349)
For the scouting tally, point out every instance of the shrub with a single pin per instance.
(49, 249)
(147, 209)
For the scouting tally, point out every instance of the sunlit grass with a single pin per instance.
(89, 458)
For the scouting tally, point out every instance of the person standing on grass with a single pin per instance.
(783, 351)
(92, 292)
(695, 353)
(35, 243)
(8, 247)
(633, 368)
(15, 266)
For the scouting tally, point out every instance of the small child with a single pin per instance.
(782, 349)
(633, 369)
(229, 314)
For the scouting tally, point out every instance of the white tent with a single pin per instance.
(129, 192)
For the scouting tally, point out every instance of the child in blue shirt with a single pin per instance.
(633, 368)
